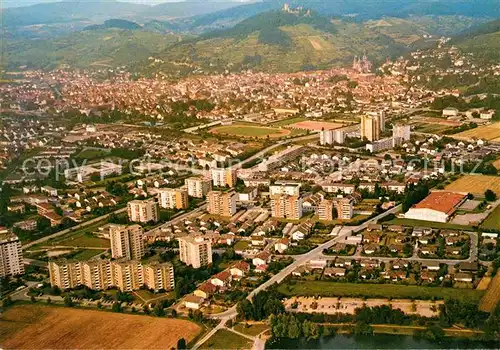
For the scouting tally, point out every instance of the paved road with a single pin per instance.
(300, 260)
(210, 334)
(77, 227)
(304, 258)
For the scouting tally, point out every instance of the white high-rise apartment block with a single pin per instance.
(126, 241)
(143, 211)
(195, 251)
(329, 137)
(222, 203)
(402, 132)
(198, 187)
(11, 256)
(173, 198)
(291, 189)
(222, 177)
(102, 274)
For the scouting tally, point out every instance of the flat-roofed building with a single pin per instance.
(96, 274)
(102, 274)
(159, 276)
(128, 275)
(344, 208)
(325, 210)
(287, 207)
(198, 187)
(173, 198)
(11, 256)
(291, 189)
(65, 274)
(195, 251)
(84, 172)
(143, 210)
(370, 127)
(222, 177)
(126, 241)
(222, 203)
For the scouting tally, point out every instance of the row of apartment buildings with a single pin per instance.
(291, 207)
(101, 274)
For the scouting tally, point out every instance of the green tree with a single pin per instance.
(490, 196)
(67, 301)
(181, 344)
(158, 310)
(245, 309)
(117, 307)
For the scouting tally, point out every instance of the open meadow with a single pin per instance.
(244, 130)
(488, 132)
(492, 222)
(372, 290)
(313, 125)
(492, 296)
(475, 184)
(225, 339)
(43, 327)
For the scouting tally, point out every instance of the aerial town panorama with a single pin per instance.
(250, 174)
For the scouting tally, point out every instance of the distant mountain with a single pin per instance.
(359, 10)
(280, 41)
(114, 23)
(186, 9)
(483, 41)
(102, 48)
(69, 11)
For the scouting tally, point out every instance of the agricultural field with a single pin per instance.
(313, 125)
(225, 339)
(92, 153)
(43, 327)
(244, 130)
(496, 163)
(475, 184)
(431, 128)
(288, 121)
(488, 132)
(333, 289)
(492, 296)
(492, 222)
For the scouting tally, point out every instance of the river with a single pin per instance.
(379, 341)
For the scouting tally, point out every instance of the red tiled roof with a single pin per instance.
(223, 276)
(445, 202)
(207, 288)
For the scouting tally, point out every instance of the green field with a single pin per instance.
(492, 222)
(241, 245)
(243, 130)
(225, 339)
(86, 254)
(78, 238)
(332, 289)
(439, 225)
(91, 153)
(251, 329)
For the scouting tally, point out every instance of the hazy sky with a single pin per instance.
(17, 3)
